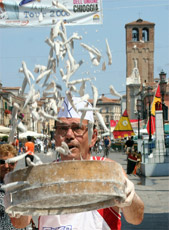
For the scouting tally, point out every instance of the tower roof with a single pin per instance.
(139, 22)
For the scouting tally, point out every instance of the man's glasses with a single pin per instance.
(77, 129)
(2, 162)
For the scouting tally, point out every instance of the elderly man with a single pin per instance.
(8, 151)
(69, 130)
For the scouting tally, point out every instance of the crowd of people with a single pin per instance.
(103, 146)
(40, 144)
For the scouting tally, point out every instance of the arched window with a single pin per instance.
(135, 35)
(145, 34)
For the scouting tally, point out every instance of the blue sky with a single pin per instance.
(27, 44)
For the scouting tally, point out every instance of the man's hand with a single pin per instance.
(14, 215)
(129, 191)
(133, 206)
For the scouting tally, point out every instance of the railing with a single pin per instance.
(155, 151)
(119, 146)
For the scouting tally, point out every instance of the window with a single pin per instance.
(6, 105)
(135, 35)
(145, 34)
(107, 119)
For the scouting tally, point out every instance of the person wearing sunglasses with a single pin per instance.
(76, 134)
(8, 223)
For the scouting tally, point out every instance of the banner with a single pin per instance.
(37, 13)
(123, 127)
(157, 98)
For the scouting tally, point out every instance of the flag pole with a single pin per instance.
(150, 137)
(149, 101)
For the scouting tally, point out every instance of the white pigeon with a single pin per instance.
(31, 75)
(61, 6)
(12, 131)
(95, 95)
(101, 121)
(66, 148)
(48, 75)
(48, 93)
(71, 59)
(29, 162)
(21, 126)
(78, 81)
(50, 57)
(93, 50)
(94, 59)
(50, 42)
(33, 105)
(40, 17)
(35, 115)
(82, 89)
(55, 30)
(46, 115)
(114, 92)
(39, 68)
(57, 50)
(108, 53)
(61, 150)
(14, 112)
(69, 97)
(13, 186)
(73, 88)
(38, 160)
(24, 84)
(28, 71)
(29, 96)
(36, 97)
(104, 66)
(53, 105)
(90, 131)
(71, 39)
(15, 159)
(27, 75)
(25, 71)
(48, 71)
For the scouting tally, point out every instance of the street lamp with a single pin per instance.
(149, 88)
(139, 105)
(163, 85)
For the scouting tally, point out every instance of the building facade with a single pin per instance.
(140, 54)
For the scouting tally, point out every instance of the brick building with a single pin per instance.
(140, 52)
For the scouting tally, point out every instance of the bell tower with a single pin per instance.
(140, 49)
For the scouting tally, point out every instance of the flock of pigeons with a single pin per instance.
(61, 49)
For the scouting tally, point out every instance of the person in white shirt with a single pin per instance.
(70, 130)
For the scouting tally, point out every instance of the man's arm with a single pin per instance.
(135, 212)
(133, 206)
(21, 222)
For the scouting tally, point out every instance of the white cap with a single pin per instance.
(69, 112)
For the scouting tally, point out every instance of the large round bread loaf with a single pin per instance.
(66, 187)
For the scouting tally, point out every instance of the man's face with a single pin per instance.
(5, 167)
(78, 144)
